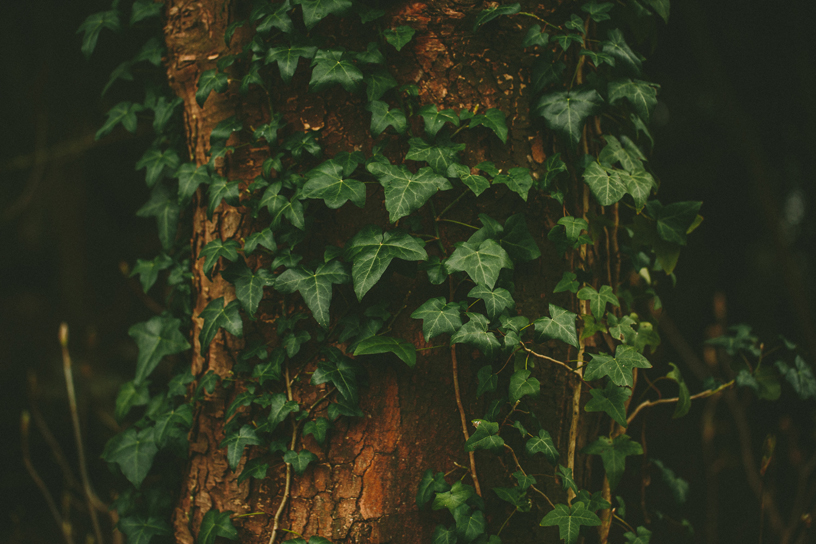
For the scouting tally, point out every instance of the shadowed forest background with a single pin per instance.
(735, 128)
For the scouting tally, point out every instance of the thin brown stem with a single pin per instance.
(649, 403)
(534, 488)
(288, 481)
(455, 365)
(540, 356)
(83, 470)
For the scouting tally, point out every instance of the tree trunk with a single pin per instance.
(362, 489)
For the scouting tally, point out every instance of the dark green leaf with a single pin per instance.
(330, 68)
(439, 156)
(279, 207)
(474, 332)
(481, 262)
(163, 112)
(429, 486)
(382, 118)
(567, 481)
(341, 373)
(120, 72)
(612, 400)
(437, 273)
(618, 368)
(643, 535)
(493, 119)
(800, 376)
(598, 12)
(279, 409)
(438, 317)
(142, 9)
(678, 486)
(661, 7)
(614, 453)
(435, 119)
(190, 177)
(262, 238)
(210, 80)
(140, 528)
(496, 300)
(93, 25)
(328, 181)
(642, 95)
(254, 468)
(225, 128)
(217, 316)
(605, 183)
(475, 183)
(279, 18)
(157, 337)
(566, 111)
(487, 380)
(516, 239)
(522, 384)
(535, 37)
(287, 58)
(317, 428)
(569, 520)
(235, 443)
(406, 192)
(315, 287)
(378, 83)
(156, 161)
(443, 535)
(674, 220)
(560, 326)
(149, 270)
(130, 394)
(593, 502)
(299, 460)
(315, 10)
(469, 524)
(546, 73)
(222, 189)
(399, 36)
(485, 437)
(624, 57)
(639, 184)
(684, 402)
(518, 180)
(598, 300)
(567, 283)
(216, 249)
(215, 524)
(123, 112)
(248, 284)
(270, 370)
(495, 11)
(386, 344)
(133, 451)
(565, 40)
(524, 480)
(543, 443)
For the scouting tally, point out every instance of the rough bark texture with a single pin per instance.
(363, 488)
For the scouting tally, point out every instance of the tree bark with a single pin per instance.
(363, 488)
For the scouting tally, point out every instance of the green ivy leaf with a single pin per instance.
(481, 262)
(598, 58)
(378, 83)
(496, 300)
(593, 502)
(157, 337)
(235, 443)
(684, 404)
(477, 184)
(248, 284)
(614, 453)
(222, 189)
(567, 481)
(639, 184)
(406, 192)
(149, 270)
(279, 409)
(605, 183)
(565, 40)
(438, 317)
(216, 249)
(800, 376)
(435, 119)
(567, 283)
(210, 80)
(444, 535)
(642, 95)
(643, 535)
(386, 344)
(560, 325)
(521, 384)
(315, 10)
(133, 451)
(675, 220)
(382, 118)
(123, 112)
(469, 525)
(317, 428)
(254, 468)
(315, 287)
(474, 332)
(493, 119)
(598, 300)
(487, 380)
(534, 36)
(225, 128)
(598, 12)
(271, 370)
(618, 368)
(190, 177)
(495, 11)
(287, 58)
(439, 156)
(612, 400)
(278, 18)
(215, 524)
(429, 486)
(329, 67)
(217, 316)
(130, 394)
(261, 238)
(299, 461)
(569, 520)
(140, 528)
(543, 443)
(399, 36)
(546, 73)
(341, 373)
(279, 207)
(485, 437)
(661, 7)
(163, 112)
(143, 9)
(566, 111)
(625, 58)
(518, 180)
(524, 480)
(678, 486)
(328, 181)
(93, 25)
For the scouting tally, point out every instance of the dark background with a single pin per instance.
(735, 128)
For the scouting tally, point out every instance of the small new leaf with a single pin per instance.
(485, 437)
(299, 460)
(217, 316)
(399, 36)
(216, 524)
(618, 368)
(560, 325)
(235, 443)
(598, 300)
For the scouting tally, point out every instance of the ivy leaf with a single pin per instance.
(279, 409)
(271, 370)
(133, 451)
(618, 368)
(661, 7)
(372, 252)
(612, 400)
(570, 519)
(598, 58)
(386, 344)
(675, 220)
(624, 56)
(524, 480)
(487, 380)
(593, 502)
(248, 284)
(614, 453)
(131, 394)
(598, 12)
(315, 287)
(140, 528)
(406, 192)
(469, 525)
(678, 486)
(518, 180)
(261, 238)
(222, 189)
(123, 112)
(163, 112)
(287, 58)
(444, 535)
(567, 481)
(217, 316)
(521, 384)
(496, 300)
(567, 283)
(598, 300)
(546, 73)
(439, 156)
(642, 95)
(378, 83)
(639, 183)
(560, 326)
(317, 428)
(157, 337)
(566, 111)
(477, 184)
(328, 181)
(429, 486)
(800, 376)
(565, 40)
(543, 443)
(93, 25)
(575, 23)
(643, 535)
(215, 524)
(399, 36)
(149, 270)
(382, 118)
(299, 461)
(485, 437)
(605, 184)
(516, 239)
(474, 332)
(190, 177)
(481, 262)
(492, 12)
(143, 9)
(315, 10)
(435, 119)
(254, 468)
(534, 36)
(210, 80)
(279, 207)
(438, 317)
(225, 128)
(216, 249)
(330, 68)
(493, 119)
(341, 373)
(279, 18)
(684, 404)
(235, 443)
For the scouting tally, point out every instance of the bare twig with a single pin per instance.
(534, 488)
(462, 417)
(83, 469)
(288, 484)
(649, 403)
(540, 356)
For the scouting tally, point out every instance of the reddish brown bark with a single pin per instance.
(363, 488)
